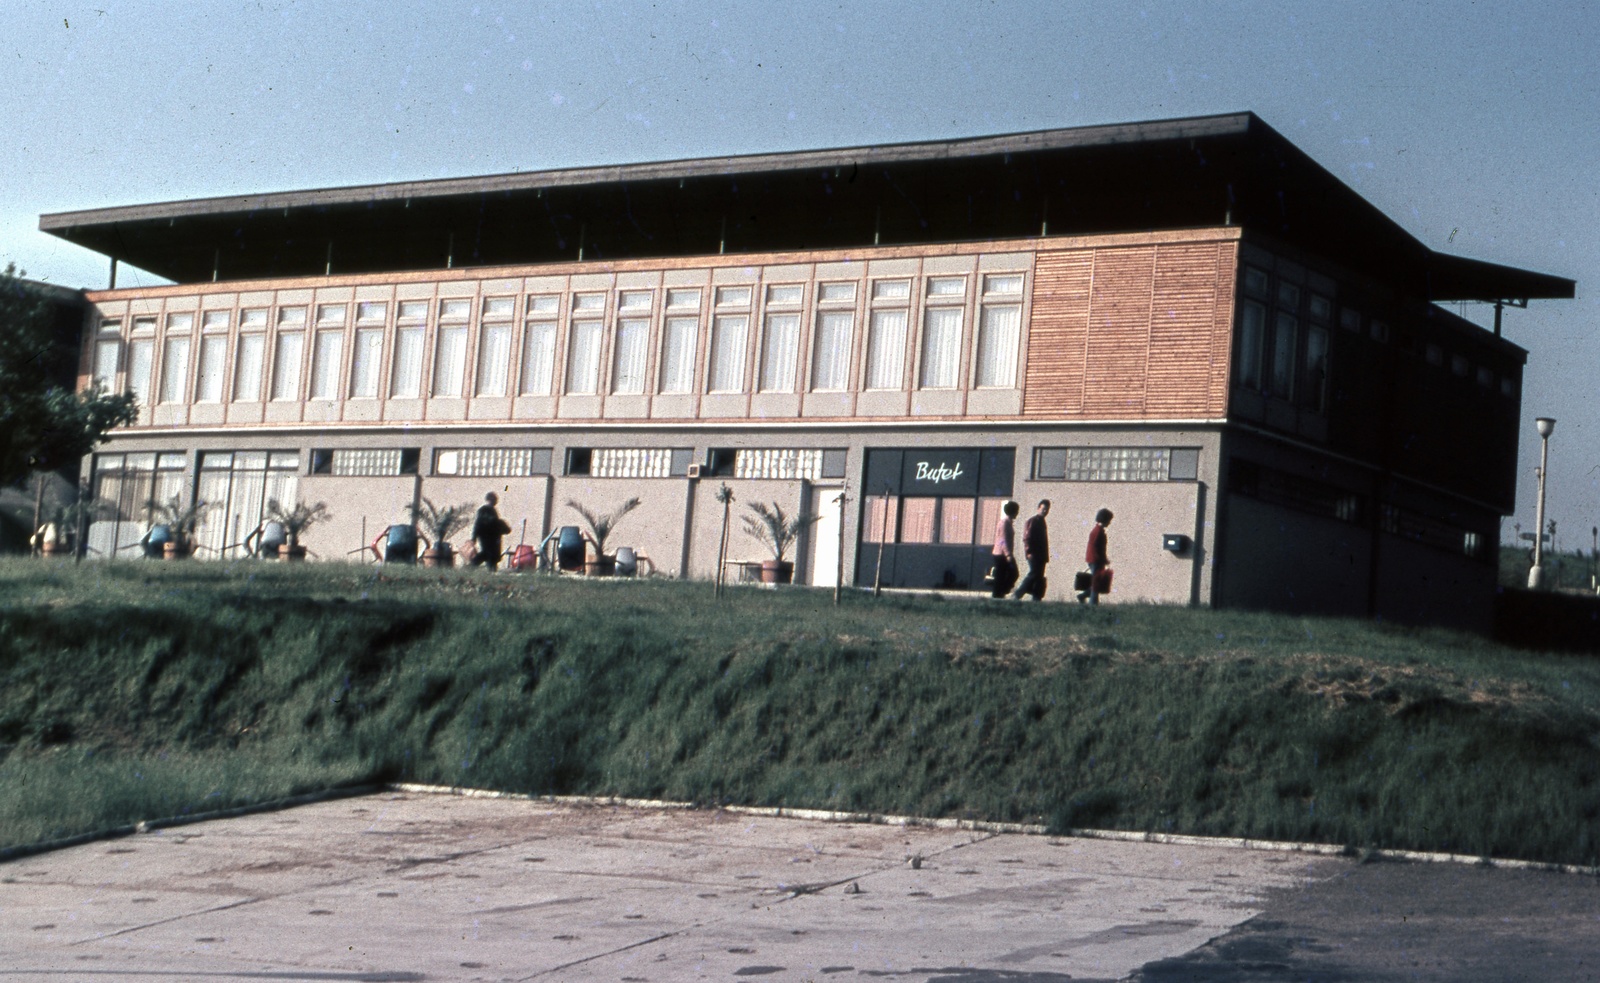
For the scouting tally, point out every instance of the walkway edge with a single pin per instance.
(981, 826)
(150, 825)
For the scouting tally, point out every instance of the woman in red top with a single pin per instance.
(1096, 556)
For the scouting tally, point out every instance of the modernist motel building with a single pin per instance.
(1189, 322)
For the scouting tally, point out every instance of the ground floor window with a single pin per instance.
(928, 514)
(237, 485)
(127, 485)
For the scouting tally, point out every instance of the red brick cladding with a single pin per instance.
(1132, 332)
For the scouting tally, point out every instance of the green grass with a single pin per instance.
(141, 690)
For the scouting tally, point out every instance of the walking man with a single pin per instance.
(1036, 550)
(1095, 555)
(487, 530)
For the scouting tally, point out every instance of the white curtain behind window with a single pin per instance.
(727, 354)
(941, 348)
(105, 362)
(831, 366)
(778, 359)
(583, 358)
(407, 381)
(367, 359)
(494, 359)
(140, 356)
(175, 370)
(325, 365)
(886, 350)
(998, 330)
(633, 346)
(286, 366)
(247, 377)
(539, 358)
(450, 361)
(213, 363)
(677, 357)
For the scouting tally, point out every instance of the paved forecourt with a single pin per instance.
(407, 886)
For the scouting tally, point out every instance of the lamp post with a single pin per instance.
(1546, 425)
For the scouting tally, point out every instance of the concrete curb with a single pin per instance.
(779, 812)
(1174, 839)
(150, 825)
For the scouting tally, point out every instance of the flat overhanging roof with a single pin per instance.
(1185, 173)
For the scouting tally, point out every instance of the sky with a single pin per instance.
(1475, 125)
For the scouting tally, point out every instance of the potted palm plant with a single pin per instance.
(296, 520)
(601, 526)
(180, 521)
(440, 523)
(778, 531)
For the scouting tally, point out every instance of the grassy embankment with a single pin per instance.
(142, 690)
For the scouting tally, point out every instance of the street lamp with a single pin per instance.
(1546, 425)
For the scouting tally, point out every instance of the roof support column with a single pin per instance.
(113, 285)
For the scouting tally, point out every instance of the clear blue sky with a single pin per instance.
(1476, 125)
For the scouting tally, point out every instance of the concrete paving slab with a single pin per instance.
(412, 886)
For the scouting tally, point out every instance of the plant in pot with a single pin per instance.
(601, 526)
(779, 531)
(179, 521)
(296, 520)
(70, 520)
(439, 523)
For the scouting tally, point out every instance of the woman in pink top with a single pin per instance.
(1005, 560)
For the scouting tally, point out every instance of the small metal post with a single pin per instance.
(838, 579)
(883, 534)
(113, 285)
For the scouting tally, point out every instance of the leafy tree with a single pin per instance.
(43, 426)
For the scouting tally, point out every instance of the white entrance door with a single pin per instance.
(825, 537)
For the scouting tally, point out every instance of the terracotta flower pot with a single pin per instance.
(439, 556)
(777, 571)
(175, 549)
(292, 554)
(603, 566)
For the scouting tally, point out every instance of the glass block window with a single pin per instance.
(365, 462)
(785, 463)
(492, 462)
(1102, 464)
(637, 462)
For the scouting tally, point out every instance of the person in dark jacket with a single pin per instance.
(1036, 550)
(1096, 556)
(1004, 555)
(487, 530)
